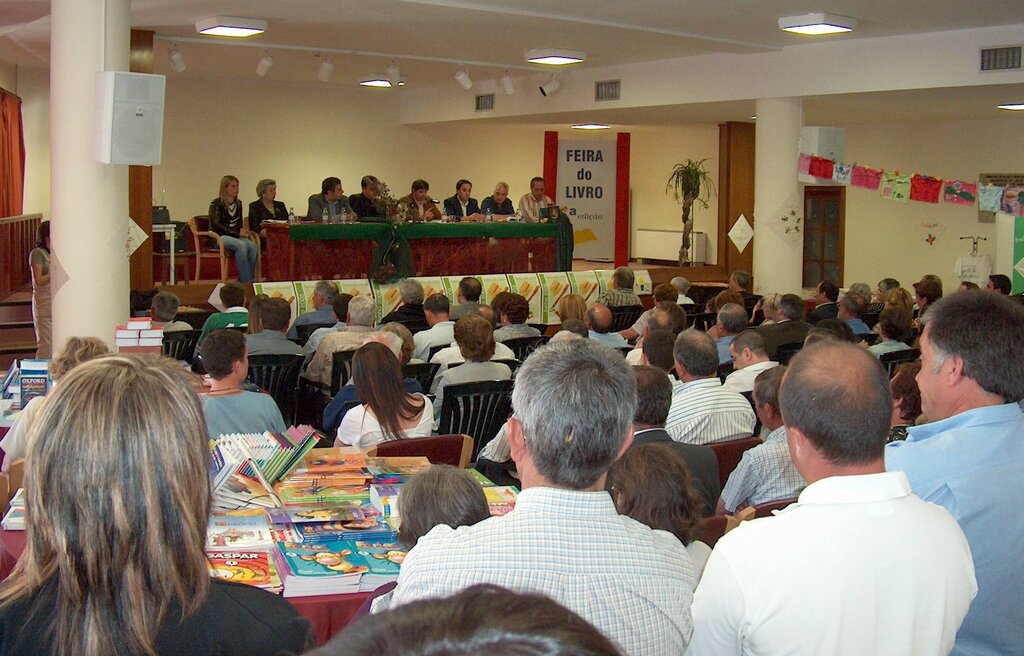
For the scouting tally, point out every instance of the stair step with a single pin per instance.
(17, 337)
(15, 312)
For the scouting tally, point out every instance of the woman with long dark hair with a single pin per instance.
(42, 317)
(387, 412)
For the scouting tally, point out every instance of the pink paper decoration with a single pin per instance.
(925, 189)
(1013, 201)
(865, 177)
(803, 165)
(960, 192)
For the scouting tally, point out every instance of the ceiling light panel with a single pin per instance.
(817, 24)
(555, 56)
(231, 26)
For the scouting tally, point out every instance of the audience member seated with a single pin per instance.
(741, 281)
(657, 352)
(766, 472)
(851, 308)
(576, 327)
(731, 321)
(830, 329)
(461, 206)
(366, 204)
(966, 285)
(970, 458)
(275, 314)
(863, 293)
(164, 309)
(421, 206)
(654, 398)
(77, 350)
(498, 203)
(653, 485)
(387, 412)
(515, 310)
(533, 204)
(662, 293)
(893, 330)
(749, 359)
(118, 498)
(410, 312)
(702, 411)
(467, 297)
(676, 313)
(331, 200)
(408, 344)
(719, 300)
(229, 408)
(324, 294)
(227, 221)
(442, 328)
(339, 309)
(564, 538)
(906, 400)
(682, 287)
(599, 325)
(1000, 283)
(572, 306)
(826, 569)
(474, 339)
(483, 619)
(655, 319)
(901, 299)
(266, 207)
(926, 293)
(621, 293)
(885, 285)
(232, 297)
(826, 299)
(789, 326)
(769, 307)
(359, 323)
(256, 314)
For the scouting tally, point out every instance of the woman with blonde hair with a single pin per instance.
(75, 351)
(117, 495)
(572, 306)
(899, 298)
(227, 220)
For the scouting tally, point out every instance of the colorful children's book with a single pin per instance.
(335, 462)
(501, 499)
(315, 493)
(249, 531)
(383, 561)
(318, 569)
(327, 512)
(395, 469)
(374, 527)
(255, 568)
(385, 499)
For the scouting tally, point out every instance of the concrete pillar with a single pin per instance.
(88, 200)
(778, 260)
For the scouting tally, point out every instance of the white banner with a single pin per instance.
(586, 186)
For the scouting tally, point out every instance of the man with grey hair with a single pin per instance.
(575, 403)
(859, 564)
(789, 326)
(970, 456)
(164, 309)
(359, 324)
(323, 310)
(703, 411)
(410, 312)
(682, 286)
(657, 319)
(621, 293)
(732, 320)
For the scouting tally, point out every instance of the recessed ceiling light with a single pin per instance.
(555, 56)
(1013, 107)
(816, 24)
(379, 81)
(231, 26)
(591, 126)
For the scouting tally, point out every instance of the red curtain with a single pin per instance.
(12, 155)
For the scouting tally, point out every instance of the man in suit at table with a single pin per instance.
(330, 199)
(461, 206)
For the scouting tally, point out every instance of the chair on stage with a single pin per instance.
(423, 373)
(625, 316)
(304, 330)
(894, 359)
(279, 376)
(181, 344)
(201, 233)
(729, 454)
(785, 352)
(765, 509)
(524, 346)
(454, 450)
(476, 409)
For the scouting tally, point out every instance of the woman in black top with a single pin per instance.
(227, 220)
(266, 207)
(117, 495)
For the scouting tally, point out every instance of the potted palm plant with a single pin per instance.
(690, 182)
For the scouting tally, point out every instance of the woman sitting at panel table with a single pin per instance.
(265, 207)
(331, 199)
(366, 204)
(462, 206)
(226, 220)
(498, 203)
(421, 206)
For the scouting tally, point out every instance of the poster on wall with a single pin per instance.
(586, 186)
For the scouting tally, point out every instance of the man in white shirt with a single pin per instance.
(442, 328)
(532, 203)
(682, 286)
(749, 358)
(859, 565)
(702, 411)
(575, 403)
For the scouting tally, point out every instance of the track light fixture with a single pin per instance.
(394, 77)
(506, 83)
(462, 77)
(325, 69)
(550, 87)
(176, 60)
(263, 67)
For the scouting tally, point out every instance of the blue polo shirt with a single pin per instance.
(973, 465)
(322, 315)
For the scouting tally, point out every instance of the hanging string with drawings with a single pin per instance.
(974, 242)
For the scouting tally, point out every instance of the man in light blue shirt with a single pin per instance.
(323, 312)
(731, 321)
(850, 310)
(599, 324)
(970, 459)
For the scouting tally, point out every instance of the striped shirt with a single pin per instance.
(765, 473)
(531, 207)
(703, 412)
(632, 582)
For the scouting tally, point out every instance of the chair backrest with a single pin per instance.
(304, 330)
(785, 352)
(524, 346)
(869, 338)
(5, 493)
(423, 373)
(729, 454)
(625, 316)
(181, 344)
(476, 409)
(279, 375)
(341, 370)
(454, 450)
(200, 227)
(624, 350)
(894, 359)
(765, 509)
(724, 370)
(16, 476)
(704, 320)
(511, 364)
(435, 349)
(870, 318)
(749, 396)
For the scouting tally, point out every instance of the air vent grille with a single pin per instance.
(607, 90)
(485, 102)
(1000, 59)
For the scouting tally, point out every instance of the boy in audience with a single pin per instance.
(235, 315)
(229, 408)
(165, 308)
(275, 314)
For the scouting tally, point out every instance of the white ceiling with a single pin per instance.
(496, 33)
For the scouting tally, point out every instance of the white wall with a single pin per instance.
(9, 77)
(34, 89)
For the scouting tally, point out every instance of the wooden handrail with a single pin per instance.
(21, 217)
(17, 239)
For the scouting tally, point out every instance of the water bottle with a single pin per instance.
(325, 217)
(291, 216)
(489, 216)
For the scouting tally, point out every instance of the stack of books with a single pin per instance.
(33, 380)
(245, 466)
(238, 549)
(337, 567)
(138, 335)
(14, 520)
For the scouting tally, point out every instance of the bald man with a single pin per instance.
(599, 325)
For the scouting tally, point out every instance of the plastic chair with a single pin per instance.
(765, 509)
(476, 409)
(729, 454)
(454, 450)
(513, 365)
(181, 344)
(895, 358)
(524, 346)
(279, 376)
(423, 373)
(435, 349)
(200, 227)
(785, 352)
(625, 316)
(704, 320)
(341, 370)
